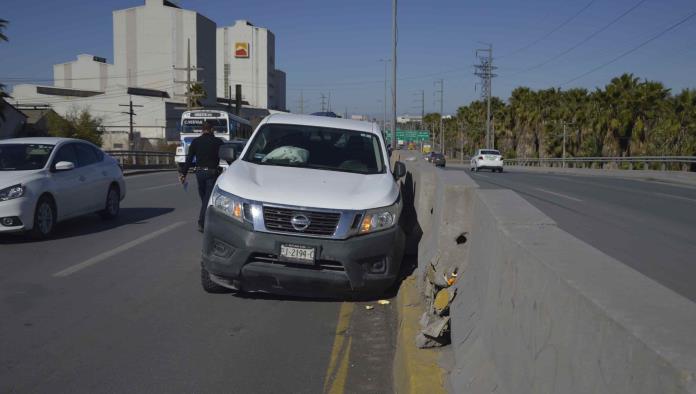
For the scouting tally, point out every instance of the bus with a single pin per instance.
(226, 126)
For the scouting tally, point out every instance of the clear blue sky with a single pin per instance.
(331, 46)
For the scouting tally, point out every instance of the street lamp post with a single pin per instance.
(384, 118)
(393, 59)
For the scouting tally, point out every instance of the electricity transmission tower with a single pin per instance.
(484, 70)
(323, 102)
(301, 102)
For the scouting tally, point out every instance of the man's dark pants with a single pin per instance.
(206, 182)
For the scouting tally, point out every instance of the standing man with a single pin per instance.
(205, 150)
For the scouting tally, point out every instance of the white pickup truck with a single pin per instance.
(310, 207)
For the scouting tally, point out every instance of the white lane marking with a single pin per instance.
(558, 194)
(113, 252)
(673, 196)
(157, 187)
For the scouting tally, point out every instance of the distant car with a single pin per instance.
(488, 159)
(328, 114)
(46, 180)
(438, 159)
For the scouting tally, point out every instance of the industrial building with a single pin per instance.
(246, 56)
(160, 49)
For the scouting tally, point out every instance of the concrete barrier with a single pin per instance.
(539, 311)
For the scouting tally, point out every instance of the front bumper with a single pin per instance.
(241, 258)
(22, 208)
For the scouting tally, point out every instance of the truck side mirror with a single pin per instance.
(399, 170)
(227, 153)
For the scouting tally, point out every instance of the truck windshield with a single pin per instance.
(317, 148)
(24, 157)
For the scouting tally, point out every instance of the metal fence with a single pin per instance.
(662, 163)
(143, 159)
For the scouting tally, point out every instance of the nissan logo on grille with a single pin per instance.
(300, 222)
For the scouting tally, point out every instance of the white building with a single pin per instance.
(88, 72)
(149, 42)
(246, 56)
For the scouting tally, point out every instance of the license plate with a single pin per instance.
(490, 157)
(297, 254)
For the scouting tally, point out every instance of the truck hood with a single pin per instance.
(308, 187)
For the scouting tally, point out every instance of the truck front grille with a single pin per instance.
(321, 223)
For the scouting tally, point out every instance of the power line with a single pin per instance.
(630, 51)
(552, 31)
(583, 41)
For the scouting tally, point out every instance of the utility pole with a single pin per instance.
(564, 144)
(394, 42)
(484, 70)
(131, 113)
(461, 142)
(190, 96)
(441, 91)
(384, 119)
(229, 98)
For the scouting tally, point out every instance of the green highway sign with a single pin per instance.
(413, 135)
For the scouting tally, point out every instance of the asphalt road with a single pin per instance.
(649, 226)
(117, 307)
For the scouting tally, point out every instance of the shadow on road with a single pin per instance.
(92, 224)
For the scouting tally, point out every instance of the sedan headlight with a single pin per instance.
(12, 192)
(231, 205)
(380, 218)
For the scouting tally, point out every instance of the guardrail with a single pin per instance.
(143, 159)
(663, 163)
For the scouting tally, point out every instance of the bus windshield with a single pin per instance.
(195, 125)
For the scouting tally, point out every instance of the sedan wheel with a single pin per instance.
(44, 219)
(113, 204)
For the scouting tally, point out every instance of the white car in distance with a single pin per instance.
(489, 159)
(47, 180)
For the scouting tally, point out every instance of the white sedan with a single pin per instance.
(46, 180)
(489, 159)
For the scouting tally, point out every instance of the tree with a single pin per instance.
(77, 124)
(198, 93)
(3, 26)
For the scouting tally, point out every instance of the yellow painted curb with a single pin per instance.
(415, 370)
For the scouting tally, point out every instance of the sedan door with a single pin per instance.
(96, 179)
(68, 187)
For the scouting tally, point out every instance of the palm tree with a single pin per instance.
(3, 95)
(3, 26)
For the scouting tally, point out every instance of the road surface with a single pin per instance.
(118, 307)
(650, 226)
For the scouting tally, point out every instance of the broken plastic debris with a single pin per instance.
(383, 302)
(369, 307)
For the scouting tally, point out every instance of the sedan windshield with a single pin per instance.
(316, 147)
(490, 152)
(24, 157)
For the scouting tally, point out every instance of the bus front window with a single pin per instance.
(196, 125)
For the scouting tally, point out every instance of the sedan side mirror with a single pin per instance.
(65, 166)
(227, 153)
(399, 170)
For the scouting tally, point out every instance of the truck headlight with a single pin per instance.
(12, 192)
(380, 218)
(231, 205)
